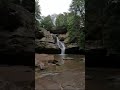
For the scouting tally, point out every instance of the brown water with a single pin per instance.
(69, 75)
(70, 62)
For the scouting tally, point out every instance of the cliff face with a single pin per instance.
(16, 32)
(111, 32)
(102, 32)
(102, 24)
(47, 43)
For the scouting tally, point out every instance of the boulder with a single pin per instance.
(42, 60)
(59, 30)
(62, 37)
(46, 44)
(39, 34)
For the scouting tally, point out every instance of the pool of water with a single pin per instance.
(66, 62)
(68, 75)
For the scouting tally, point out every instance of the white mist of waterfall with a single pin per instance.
(54, 21)
(53, 18)
(61, 46)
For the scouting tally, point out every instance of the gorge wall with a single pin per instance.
(16, 33)
(102, 33)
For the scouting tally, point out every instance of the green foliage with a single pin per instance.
(75, 22)
(61, 20)
(71, 27)
(75, 31)
(37, 10)
(81, 39)
(37, 14)
(77, 5)
(46, 22)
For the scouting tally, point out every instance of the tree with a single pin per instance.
(71, 27)
(46, 22)
(37, 10)
(75, 27)
(61, 20)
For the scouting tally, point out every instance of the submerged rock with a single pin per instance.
(43, 60)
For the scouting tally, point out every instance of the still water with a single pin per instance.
(69, 74)
(67, 62)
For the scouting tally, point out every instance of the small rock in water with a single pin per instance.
(43, 60)
(57, 64)
(42, 66)
(53, 62)
(60, 63)
(82, 59)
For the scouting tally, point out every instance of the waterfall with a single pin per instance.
(61, 46)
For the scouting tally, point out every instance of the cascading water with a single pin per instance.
(61, 46)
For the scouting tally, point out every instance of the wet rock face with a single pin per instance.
(107, 23)
(15, 28)
(107, 28)
(9, 20)
(39, 34)
(48, 43)
(111, 28)
(59, 30)
(16, 31)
